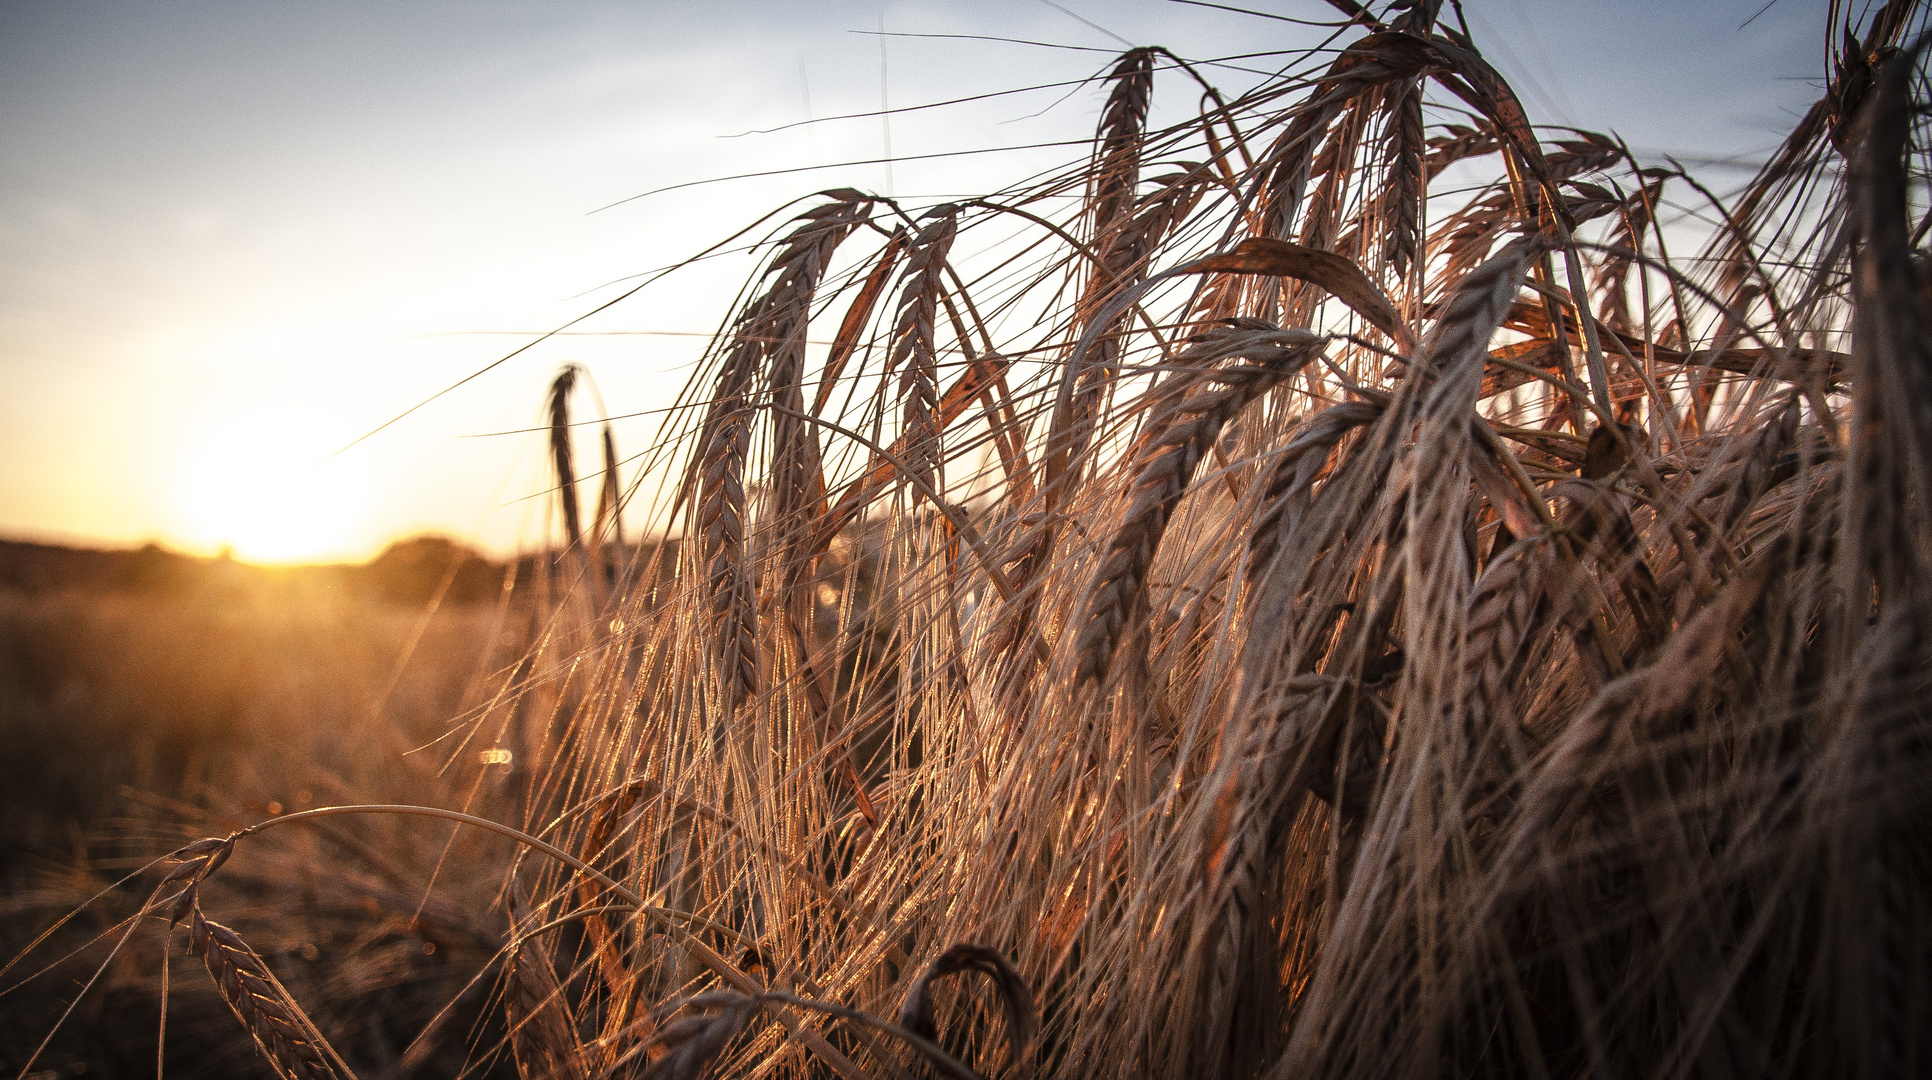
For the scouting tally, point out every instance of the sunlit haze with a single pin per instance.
(237, 237)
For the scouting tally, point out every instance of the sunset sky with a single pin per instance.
(234, 237)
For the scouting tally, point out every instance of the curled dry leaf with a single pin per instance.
(1022, 1020)
(1325, 269)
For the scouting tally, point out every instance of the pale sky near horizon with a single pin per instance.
(236, 236)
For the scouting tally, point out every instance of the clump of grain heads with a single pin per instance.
(1304, 620)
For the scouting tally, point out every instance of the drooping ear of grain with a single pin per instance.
(610, 499)
(1179, 436)
(542, 1037)
(562, 457)
(286, 1036)
(1115, 265)
(769, 342)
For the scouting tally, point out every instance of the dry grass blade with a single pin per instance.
(857, 315)
(1332, 272)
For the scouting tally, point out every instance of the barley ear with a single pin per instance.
(287, 1038)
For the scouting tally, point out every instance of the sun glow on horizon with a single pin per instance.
(260, 487)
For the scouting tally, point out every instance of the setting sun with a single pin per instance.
(261, 487)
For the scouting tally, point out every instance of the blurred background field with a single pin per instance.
(147, 697)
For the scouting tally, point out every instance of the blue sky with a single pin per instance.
(235, 236)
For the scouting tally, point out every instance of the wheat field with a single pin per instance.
(1314, 590)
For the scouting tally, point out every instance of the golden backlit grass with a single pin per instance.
(1268, 610)
(141, 710)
